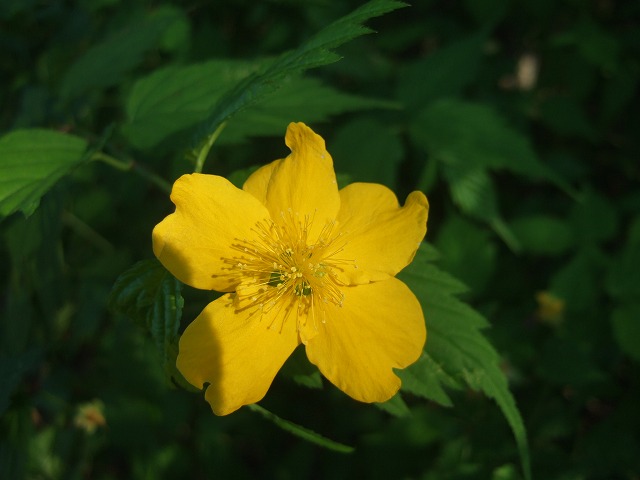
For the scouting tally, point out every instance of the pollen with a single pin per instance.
(279, 272)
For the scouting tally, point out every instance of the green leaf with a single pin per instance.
(456, 344)
(106, 63)
(442, 74)
(149, 295)
(543, 234)
(468, 251)
(33, 160)
(594, 219)
(395, 406)
(464, 133)
(298, 98)
(623, 279)
(626, 329)
(176, 98)
(301, 370)
(315, 52)
(577, 282)
(425, 379)
(473, 191)
(367, 150)
(301, 432)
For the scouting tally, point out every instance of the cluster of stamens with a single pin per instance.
(281, 266)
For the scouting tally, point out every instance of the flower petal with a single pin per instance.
(196, 242)
(379, 327)
(238, 352)
(381, 238)
(258, 182)
(303, 185)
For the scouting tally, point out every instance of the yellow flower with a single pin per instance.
(550, 308)
(302, 262)
(90, 416)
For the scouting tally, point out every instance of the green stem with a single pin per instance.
(204, 151)
(132, 166)
(86, 231)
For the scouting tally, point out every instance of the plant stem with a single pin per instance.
(204, 151)
(133, 166)
(84, 230)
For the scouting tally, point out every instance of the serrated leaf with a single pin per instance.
(302, 432)
(148, 294)
(426, 378)
(456, 344)
(31, 162)
(395, 406)
(301, 98)
(317, 51)
(105, 63)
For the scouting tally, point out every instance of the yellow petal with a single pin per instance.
(238, 352)
(380, 237)
(302, 186)
(379, 327)
(258, 181)
(196, 242)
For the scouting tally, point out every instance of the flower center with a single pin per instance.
(281, 266)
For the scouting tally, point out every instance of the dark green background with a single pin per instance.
(531, 189)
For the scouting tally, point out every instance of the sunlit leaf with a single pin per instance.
(172, 100)
(32, 161)
(301, 98)
(315, 52)
(178, 97)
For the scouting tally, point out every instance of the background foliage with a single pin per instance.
(517, 118)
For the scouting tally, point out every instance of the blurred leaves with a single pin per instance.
(315, 52)
(106, 63)
(534, 207)
(444, 73)
(32, 162)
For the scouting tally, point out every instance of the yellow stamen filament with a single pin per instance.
(281, 266)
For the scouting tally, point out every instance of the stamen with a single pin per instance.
(275, 267)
